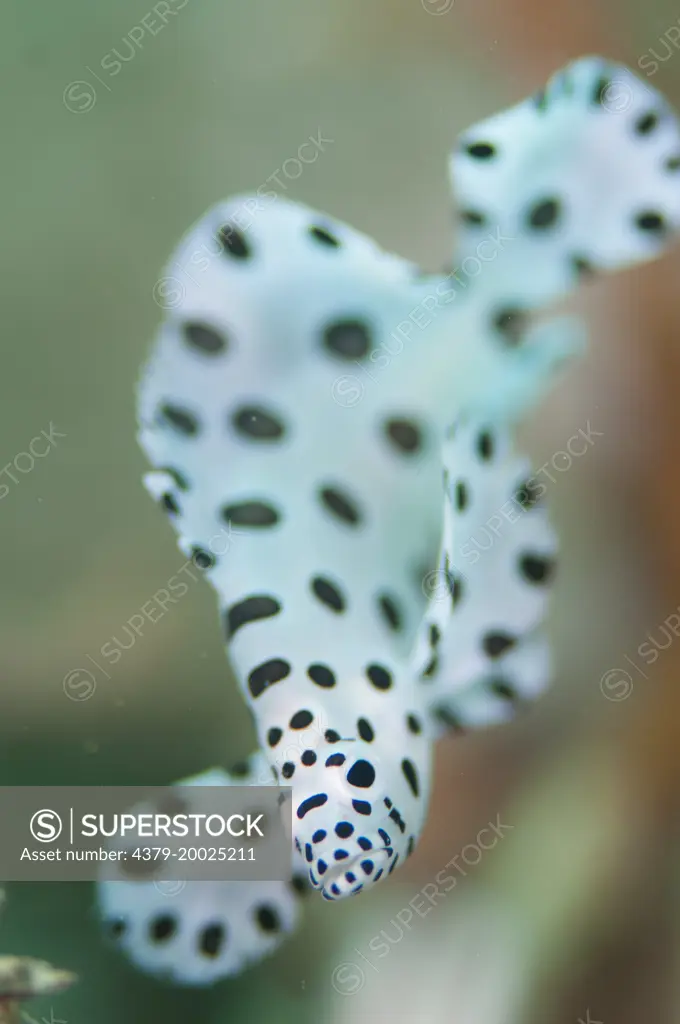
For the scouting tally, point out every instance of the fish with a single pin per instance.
(331, 431)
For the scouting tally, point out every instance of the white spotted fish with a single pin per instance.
(195, 933)
(303, 393)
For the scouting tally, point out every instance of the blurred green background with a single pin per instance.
(576, 911)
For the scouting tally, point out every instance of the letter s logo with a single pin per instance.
(46, 826)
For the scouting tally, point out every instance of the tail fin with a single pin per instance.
(582, 177)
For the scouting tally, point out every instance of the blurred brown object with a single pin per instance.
(654, 737)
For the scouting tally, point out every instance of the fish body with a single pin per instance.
(328, 427)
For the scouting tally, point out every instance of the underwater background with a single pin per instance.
(574, 915)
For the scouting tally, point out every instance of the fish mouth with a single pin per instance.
(339, 877)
